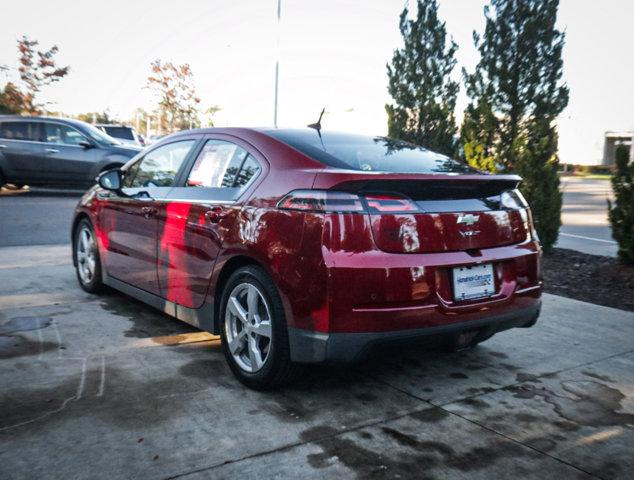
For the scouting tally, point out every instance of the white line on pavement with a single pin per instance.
(102, 384)
(587, 238)
(82, 380)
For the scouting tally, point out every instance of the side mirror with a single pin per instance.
(85, 144)
(110, 180)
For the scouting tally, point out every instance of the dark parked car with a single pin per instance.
(298, 246)
(123, 133)
(51, 151)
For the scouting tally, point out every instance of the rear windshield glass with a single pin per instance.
(120, 132)
(360, 152)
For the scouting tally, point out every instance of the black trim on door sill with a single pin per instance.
(202, 317)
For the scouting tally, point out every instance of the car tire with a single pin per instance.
(250, 307)
(2, 180)
(86, 257)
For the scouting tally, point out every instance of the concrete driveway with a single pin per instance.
(105, 387)
(584, 217)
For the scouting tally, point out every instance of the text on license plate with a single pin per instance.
(473, 282)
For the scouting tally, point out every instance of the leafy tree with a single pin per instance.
(516, 95)
(95, 117)
(478, 134)
(621, 212)
(420, 84)
(178, 102)
(12, 100)
(37, 69)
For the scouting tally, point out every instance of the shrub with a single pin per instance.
(621, 212)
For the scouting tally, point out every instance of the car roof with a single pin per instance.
(117, 125)
(26, 118)
(264, 130)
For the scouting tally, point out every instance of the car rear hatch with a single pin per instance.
(421, 213)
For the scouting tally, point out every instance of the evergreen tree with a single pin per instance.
(420, 84)
(621, 212)
(516, 95)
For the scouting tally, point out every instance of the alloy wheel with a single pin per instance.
(248, 327)
(86, 255)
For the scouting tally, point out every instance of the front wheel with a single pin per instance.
(253, 330)
(86, 253)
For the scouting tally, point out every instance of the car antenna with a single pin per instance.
(317, 126)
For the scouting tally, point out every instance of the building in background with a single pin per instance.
(613, 140)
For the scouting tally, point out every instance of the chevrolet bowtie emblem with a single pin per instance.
(467, 219)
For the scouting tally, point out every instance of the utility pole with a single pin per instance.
(277, 62)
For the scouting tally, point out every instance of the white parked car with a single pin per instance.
(126, 135)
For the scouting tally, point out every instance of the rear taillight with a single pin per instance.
(514, 200)
(321, 201)
(344, 202)
(531, 225)
(389, 203)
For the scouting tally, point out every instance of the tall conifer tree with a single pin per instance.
(420, 84)
(516, 94)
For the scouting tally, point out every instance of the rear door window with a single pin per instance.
(62, 134)
(223, 168)
(27, 131)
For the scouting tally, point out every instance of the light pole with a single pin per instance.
(277, 63)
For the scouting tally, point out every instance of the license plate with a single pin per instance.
(473, 282)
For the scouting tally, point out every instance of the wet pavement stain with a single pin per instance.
(597, 376)
(126, 402)
(288, 408)
(479, 391)
(458, 375)
(147, 321)
(366, 397)
(522, 377)
(476, 403)
(14, 346)
(211, 372)
(364, 462)
(414, 459)
(594, 404)
(430, 415)
(24, 324)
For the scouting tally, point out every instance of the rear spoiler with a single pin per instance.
(354, 180)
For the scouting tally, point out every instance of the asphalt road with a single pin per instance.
(103, 387)
(584, 216)
(37, 217)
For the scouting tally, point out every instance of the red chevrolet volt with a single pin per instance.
(303, 246)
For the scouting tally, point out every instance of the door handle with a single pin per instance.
(51, 150)
(215, 214)
(148, 211)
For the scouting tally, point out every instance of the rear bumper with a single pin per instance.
(314, 347)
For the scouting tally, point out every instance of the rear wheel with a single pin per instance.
(88, 265)
(253, 330)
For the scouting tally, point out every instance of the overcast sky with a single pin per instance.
(332, 53)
